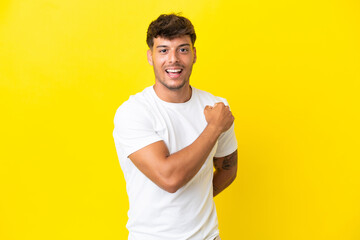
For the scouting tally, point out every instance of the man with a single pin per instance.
(168, 138)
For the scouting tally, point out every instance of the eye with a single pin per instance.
(183, 50)
(163, 50)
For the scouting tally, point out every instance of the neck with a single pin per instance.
(173, 95)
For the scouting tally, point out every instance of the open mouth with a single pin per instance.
(174, 72)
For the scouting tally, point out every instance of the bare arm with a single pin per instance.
(225, 172)
(171, 172)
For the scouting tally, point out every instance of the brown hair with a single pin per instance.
(170, 26)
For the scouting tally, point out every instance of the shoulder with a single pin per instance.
(208, 97)
(133, 108)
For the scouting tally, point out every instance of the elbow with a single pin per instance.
(171, 185)
(169, 180)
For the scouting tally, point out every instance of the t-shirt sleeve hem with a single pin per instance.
(227, 152)
(145, 142)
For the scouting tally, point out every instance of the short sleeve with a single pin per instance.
(133, 129)
(227, 143)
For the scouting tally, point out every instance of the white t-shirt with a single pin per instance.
(154, 214)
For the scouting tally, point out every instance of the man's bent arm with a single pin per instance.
(171, 172)
(225, 172)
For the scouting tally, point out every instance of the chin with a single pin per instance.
(174, 86)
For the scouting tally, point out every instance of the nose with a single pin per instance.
(173, 57)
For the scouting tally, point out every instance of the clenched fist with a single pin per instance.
(219, 116)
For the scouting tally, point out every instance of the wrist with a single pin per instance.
(214, 130)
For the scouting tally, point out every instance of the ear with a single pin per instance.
(149, 57)
(194, 55)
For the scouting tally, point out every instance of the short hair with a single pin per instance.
(170, 26)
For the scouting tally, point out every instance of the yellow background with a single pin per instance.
(289, 69)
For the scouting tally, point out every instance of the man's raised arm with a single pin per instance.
(171, 172)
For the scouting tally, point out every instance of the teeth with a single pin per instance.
(173, 70)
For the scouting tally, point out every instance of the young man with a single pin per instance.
(168, 138)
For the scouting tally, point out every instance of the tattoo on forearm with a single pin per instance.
(227, 162)
(216, 163)
(224, 165)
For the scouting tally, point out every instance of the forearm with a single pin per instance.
(225, 172)
(183, 165)
(221, 181)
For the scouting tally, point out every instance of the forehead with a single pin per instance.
(174, 42)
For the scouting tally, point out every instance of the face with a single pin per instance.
(172, 61)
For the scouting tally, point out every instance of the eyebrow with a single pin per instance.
(182, 45)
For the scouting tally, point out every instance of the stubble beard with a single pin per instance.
(173, 88)
(176, 87)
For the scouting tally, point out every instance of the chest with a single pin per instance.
(179, 127)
